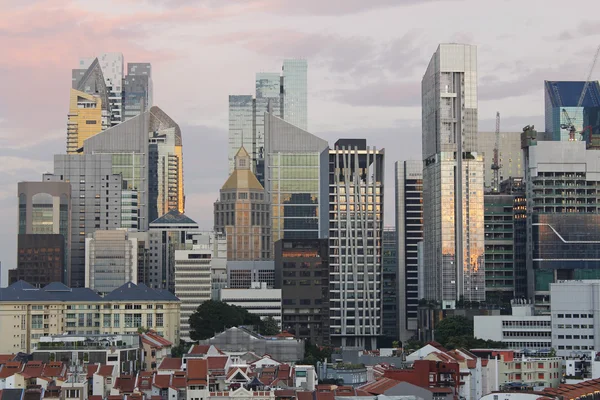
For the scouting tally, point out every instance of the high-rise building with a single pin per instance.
(505, 239)
(110, 260)
(302, 274)
(389, 324)
(137, 90)
(509, 153)
(243, 213)
(95, 202)
(409, 230)
(563, 213)
(281, 94)
(85, 119)
(203, 252)
(452, 178)
(295, 180)
(40, 259)
(167, 234)
(241, 274)
(356, 183)
(561, 100)
(258, 299)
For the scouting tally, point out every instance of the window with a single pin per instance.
(540, 365)
(129, 306)
(561, 315)
(159, 320)
(90, 122)
(37, 321)
(149, 320)
(137, 320)
(106, 321)
(117, 321)
(541, 375)
(128, 320)
(137, 307)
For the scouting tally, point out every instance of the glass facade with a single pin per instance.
(241, 127)
(390, 285)
(295, 86)
(453, 186)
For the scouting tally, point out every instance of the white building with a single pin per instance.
(194, 266)
(257, 300)
(521, 330)
(110, 260)
(575, 309)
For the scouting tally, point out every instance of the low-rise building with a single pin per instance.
(156, 348)
(28, 313)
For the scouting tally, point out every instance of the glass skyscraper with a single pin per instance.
(295, 86)
(453, 178)
(295, 172)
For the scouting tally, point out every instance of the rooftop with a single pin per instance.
(174, 217)
(567, 93)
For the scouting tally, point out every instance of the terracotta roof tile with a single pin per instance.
(125, 384)
(170, 363)
(199, 349)
(197, 372)
(105, 370)
(162, 381)
(95, 397)
(10, 368)
(91, 370)
(144, 380)
(380, 386)
(216, 362)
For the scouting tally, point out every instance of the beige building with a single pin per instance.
(28, 313)
(85, 119)
(243, 213)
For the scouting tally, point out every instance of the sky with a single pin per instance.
(366, 60)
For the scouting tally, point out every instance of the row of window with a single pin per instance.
(575, 336)
(575, 326)
(574, 315)
(575, 347)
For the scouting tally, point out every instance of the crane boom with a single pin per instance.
(587, 81)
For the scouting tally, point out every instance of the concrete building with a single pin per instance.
(137, 90)
(452, 205)
(281, 94)
(167, 234)
(510, 156)
(521, 330)
(40, 259)
(194, 264)
(241, 274)
(390, 284)
(28, 313)
(295, 180)
(561, 99)
(243, 213)
(356, 193)
(258, 299)
(575, 309)
(111, 260)
(96, 200)
(409, 231)
(302, 274)
(563, 213)
(86, 117)
(44, 208)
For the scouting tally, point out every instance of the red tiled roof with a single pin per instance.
(91, 370)
(162, 381)
(197, 371)
(54, 369)
(105, 370)
(199, 349)
(178, 380)
(125, 384)
(170, 363)
(144, 380)
(380, 386)
(95, 397)
(10, 368)
(304, 395)
(6, 357)
(33, 369)
(284, 334)
(159, 341)
(216, 363)
(440, 390)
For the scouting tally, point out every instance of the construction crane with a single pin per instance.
(496, 160)
(569, 125)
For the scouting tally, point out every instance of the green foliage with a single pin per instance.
(269, 327)
(182, 348)
(314, 354)
(142, 329)
(412, 345)
(457, 332)
(213, 317)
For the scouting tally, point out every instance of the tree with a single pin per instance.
(314, 354)
(214, 317)
(269, 327)
(182, 348)
(453, 327)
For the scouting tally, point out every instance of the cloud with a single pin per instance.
(583, 29)
(382, 94)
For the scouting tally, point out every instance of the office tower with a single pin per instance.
(509, 153)
(40, 259)
(204, 251)
(563, 221)
(85, 119)
(295, 87)
(356, 182)
(143, 255)
(409, 230)
(302, 274)
(241, 274)
(258, 299)
(110, 260)
(45, 208)
(561, 100)
(247, 113)
(96, 201)
(243, 213)
(296, 180)
(452, 178)
(505, 239)
(167, 234)
(165, 164)
(137, 90)
(389, 325)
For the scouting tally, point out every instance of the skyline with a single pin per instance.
(364, 73)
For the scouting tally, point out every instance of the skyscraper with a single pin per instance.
(356, 183)
(85, 119)
(409, 228)
(137, 89)
(390, 281)
(509, 153)
(561, 100)
(246, 113)
(453, 178)
(243, 213)
(296, 180)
